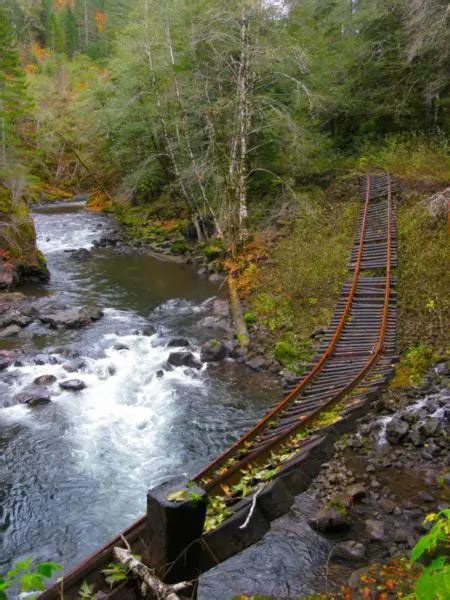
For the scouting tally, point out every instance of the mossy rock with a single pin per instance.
(20, 259)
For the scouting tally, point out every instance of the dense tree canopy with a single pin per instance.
(221, 106)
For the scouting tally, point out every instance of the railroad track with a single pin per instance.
(354, 359)
(355, 355)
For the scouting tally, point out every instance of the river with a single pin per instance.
(76, 471)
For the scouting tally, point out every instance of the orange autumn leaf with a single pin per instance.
(390, 584)
(41, 54)
(100, 20)
(30, 68)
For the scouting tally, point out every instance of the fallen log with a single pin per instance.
(162, 591)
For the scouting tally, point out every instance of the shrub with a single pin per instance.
(250, 318)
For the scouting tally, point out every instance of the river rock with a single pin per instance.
(33, 397)
(6, 360)
(375, 529)
(15, 318)
(81, 254)
(44, 380)
(221, 308)
(72, 385)
(213, 351)
(71, 318)
(178, 342)
(396, 430)
(258, 363)
(215, 323)
(355, 492)
(351, 551)
(183, 359)
(146, 331)
(216, 278)
(7, 278)
(441, 369)
(329, 520)
(387, 505)
(120, 346)
(10, 331)
(77, 364)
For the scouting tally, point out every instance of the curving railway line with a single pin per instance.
(354, 359)
(359, 343)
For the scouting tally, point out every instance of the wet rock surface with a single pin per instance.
(72, 385)
(213, 351)
(183, 359)
(287, 562)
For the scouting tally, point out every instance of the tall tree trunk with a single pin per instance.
(186, 135)
(86, 23)
(237, 171)
(3, 136)
(189, 199)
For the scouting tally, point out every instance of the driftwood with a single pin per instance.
(162, 591)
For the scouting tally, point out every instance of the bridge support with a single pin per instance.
(176, 513)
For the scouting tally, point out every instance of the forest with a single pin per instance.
(205, 204)
(218, 107)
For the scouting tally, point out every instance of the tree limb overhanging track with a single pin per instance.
(355, 356)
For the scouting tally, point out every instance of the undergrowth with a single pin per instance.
(424, 277)
(296, 291)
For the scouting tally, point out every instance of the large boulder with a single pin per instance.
(6, 359)
(329, 520)
(219, 323)
(258, 363)
(375, 530)
(20, 260)
(72, 385)
(349, 551)
(213, 351)
(178, 342)
(44, 380)
(71, 318)
(183, 359)
(32, 397)
(396, 430)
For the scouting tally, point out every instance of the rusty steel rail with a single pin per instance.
(349, 351)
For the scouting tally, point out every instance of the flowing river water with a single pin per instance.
(76, 471)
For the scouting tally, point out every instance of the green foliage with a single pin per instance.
(290, 355)
(115, 573)
(179, 248)
(437, 539)
(30, 579)
(434, 582)
(86, 591)
(434, 549)
(250, 318)
(14, 101)
(216, 513)
(424, 277)
(213, 250)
